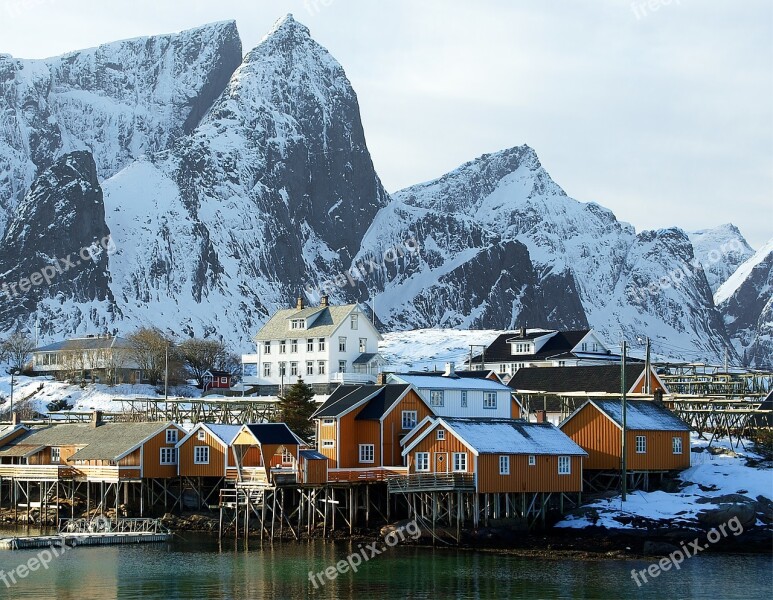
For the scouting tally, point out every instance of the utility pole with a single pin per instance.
(624, 474)
(166, 372)
(13, 374)
(647, 369)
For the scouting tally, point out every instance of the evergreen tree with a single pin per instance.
(296, 407)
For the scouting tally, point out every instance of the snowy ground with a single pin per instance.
(431, 349)
(719, 475)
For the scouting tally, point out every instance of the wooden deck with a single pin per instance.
(431, 482)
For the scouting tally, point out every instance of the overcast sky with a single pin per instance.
(661, 110)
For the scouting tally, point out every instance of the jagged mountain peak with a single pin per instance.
(720, 250)
(287, 26)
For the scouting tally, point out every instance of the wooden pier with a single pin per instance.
(99, 531)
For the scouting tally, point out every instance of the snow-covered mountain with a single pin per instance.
(746, 303)
(119, 101)
(231, 185)
(720, 251)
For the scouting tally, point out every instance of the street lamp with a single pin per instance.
(14, 373)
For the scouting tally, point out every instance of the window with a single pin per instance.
(328, 443)
(309, 367)
(168, 456)
(200, 455)
(460, 461)
(363, 345)
(564, 465)
(287, 457)
(293, 345)
(321, 344)
(409, 419)
(328, 421)
(171, 436)
(298, 324)
(532, 460)
(321, 367)
(293, 368)
(342, 366)
(342, 344)
(202, 435)
(440, 435)
(422, 461)
(266, 347)
(464, 398)
(282, 346)
(504, 465)
(561, 363)
(56, 454)
(595, 347)
(310, 345)
(367, 452)
(641, 444)
(436, 398)
(282, 369)
(490, 400)
(354, 320)
(677, 445)
(224, 380)
(522, 348)
(266, 369)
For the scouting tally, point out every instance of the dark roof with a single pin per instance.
(560, 343)
(216, 373)
(643, 415)
(364, 358)
(312, 455)
(601, 378)
(87, 343)
(466, 374)
(273, 433)
(378, 405)
(343, 398)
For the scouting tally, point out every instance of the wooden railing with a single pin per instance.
(431, 482)
(367, 475)
(38, 472)
(99, 472)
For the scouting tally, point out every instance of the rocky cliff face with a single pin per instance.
(118, 101)
(720, 251)
(54, 256)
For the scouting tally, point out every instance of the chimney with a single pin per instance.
(96, 419)
(381, 378)
(323, 301)
(522, 332)
(299, 303)
(15, 419)
(657, 396)
(540, 414)
(450, 370)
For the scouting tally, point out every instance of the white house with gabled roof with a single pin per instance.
(324, 345)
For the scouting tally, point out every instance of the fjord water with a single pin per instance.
(196, 566)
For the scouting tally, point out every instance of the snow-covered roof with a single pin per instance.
(226, 433)
(508, 436)
(441, 382)
(643, 415)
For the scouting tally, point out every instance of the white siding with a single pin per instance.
(452, 403)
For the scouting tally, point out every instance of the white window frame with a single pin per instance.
(504, 465)
(490, 400)
(267, 369)
(201, 435)
(309, 367)
(294, 368)
(464, 398)
(641, 444)
(224, 380)
(287, 457)
(342, 366)
(342, 344)
(440, 435)
(409, 419)
(267, 347)
(321, 344)
(421, 462)
(354, 321)
(367, 453)
(532, 460)
(564, 465)
(167, 456)
(328, 444)
(310, 345)
(676, 445)
(56, 454)
(282, 346)
(201, 455)
(328, 422)
(171, 436)
(363, 347)
(460, 462)
(321, 367)
(436, 398)
(293, 346)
